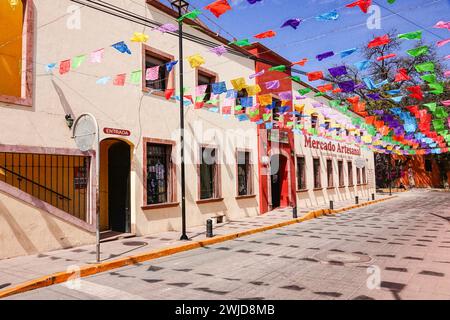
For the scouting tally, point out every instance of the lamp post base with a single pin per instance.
(184, 237)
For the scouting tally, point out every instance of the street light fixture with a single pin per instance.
(181, 6)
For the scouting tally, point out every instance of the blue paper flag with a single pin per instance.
(170, 65)
(219, 87)
(362, 65)
(328, 16)
(348, 52)
(121, 47)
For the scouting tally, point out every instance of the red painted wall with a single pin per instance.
(288, 195)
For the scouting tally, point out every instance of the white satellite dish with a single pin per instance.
(85, 131)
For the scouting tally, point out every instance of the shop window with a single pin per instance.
(341, 173)
(159, 173)
(350, 173)
(301, 173)
(16, 62)
(209, 174)
(156, 58)
(59, 180)
(316, 171)
(330, 173)
(358, 176)
(428, 165)
(244, 173)
(206, 78)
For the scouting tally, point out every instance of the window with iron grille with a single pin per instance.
(316, 169)
(208, 174)
(341, 173)
(358, 176)
(364, 176)
(152, 60)
(158, 173)
(314, 121)
(350, 173)
(301, 173)
(245, 187)
(428, 165)
(59, 180)
(330, 173)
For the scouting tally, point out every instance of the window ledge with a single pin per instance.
(302, 190)
(246, 196)
(209, 200)
(317, 189)
(329, 188)
(160, 94)
(160, 205)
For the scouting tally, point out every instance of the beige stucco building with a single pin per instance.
(48, 186)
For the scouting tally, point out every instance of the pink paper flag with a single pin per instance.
(442, 25)
(447, 73)
(168, 27)
(152, 73)
(200, 90)
(220, 50)
(447, 57)
(443, 42)
(446, 103)
(97, 56)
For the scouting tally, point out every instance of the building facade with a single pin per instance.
(234, 168)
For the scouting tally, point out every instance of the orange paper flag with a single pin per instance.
(267, 34)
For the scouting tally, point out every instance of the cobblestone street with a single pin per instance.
(402, 245)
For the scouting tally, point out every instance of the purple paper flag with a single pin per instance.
(294, 23)
(257, 74)
(374, 96)
(347, 86)
(338, 71)
(287, 95)
(168, 27)
(220, 50)
(325, 55)
(271, 85)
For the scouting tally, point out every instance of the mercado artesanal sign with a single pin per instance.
(332, 146)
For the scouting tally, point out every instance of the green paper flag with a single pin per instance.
(438, 88)
(241, 43)
(440, 113)
(77, 61)
(417, 52)
(266, 116)
(238, 108)
(281, 68)
(438, 124)
(136, 77)
(425, 67)
(390, 1)
(296, 78)
(431, 106)
(304, 91)
(430, 78)
(190, 15)
(319, 94)
(416, 35)
(335, 103)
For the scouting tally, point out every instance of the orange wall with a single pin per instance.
(11, 21)
(422, 178)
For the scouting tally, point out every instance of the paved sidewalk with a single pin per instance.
(17, 270)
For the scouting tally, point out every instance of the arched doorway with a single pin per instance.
(115, 186)
(279, 181)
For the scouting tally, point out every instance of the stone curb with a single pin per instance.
(89, 270)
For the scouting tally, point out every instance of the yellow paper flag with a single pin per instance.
(253, 90)
(238, 84)
(196, 60)
(299, 107)
(139, 37)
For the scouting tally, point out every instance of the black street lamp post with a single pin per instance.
(181, 5)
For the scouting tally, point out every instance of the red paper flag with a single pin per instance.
(413, 109)
(379, 41)
(119, 80)
(416, 92)
(64, 66)
(402, 75)
(226, 110)
(301, 62)
(267, 34)
(325, 88)
(362, 4)
(169, 93)
(353, 100)
(313, 76)
(392, 55)
(337, 90)
(218, 7)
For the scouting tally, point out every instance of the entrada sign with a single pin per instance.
(117, 132)
(331, 146)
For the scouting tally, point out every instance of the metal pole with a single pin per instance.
(390, 174)
(183, 172)
(97, 233)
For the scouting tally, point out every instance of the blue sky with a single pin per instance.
(313, 37)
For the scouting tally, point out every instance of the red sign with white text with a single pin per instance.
(117, 132)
